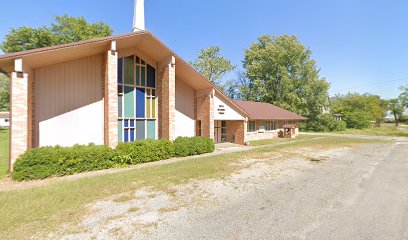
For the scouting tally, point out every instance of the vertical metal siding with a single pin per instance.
(184, 98)
(185, 122)
(65, 87)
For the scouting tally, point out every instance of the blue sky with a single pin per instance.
(355, 43)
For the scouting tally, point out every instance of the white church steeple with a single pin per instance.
(139, 17)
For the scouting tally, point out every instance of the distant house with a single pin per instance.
(4, 119)
(124, 88)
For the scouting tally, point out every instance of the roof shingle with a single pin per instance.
(266, 111)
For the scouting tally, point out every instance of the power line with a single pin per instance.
(372, 84)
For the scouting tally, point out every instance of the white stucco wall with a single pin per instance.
(221, 106)
(185, 123)
(80, 126)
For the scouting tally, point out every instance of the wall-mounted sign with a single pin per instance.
(221, 109)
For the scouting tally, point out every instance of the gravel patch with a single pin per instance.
(147, 214)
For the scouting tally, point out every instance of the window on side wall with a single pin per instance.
(251, 126)
(263, 127)
(270, 126)
(199, 128)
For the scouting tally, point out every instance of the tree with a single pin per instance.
(280, 70)
(65, 29)
(396, 108)
(4, 93)
(231, 88)
(359, 110)
(404, 96)
(398, 105)
(323, 123)
(212, 65)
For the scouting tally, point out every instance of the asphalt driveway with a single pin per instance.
(355, 193)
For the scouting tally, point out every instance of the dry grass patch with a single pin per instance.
(169, 209)
(123, 198)
(133, 209)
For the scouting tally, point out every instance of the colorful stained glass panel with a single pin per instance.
(129, 70)
(143, 76)
(151, 129)
(129, 102)
(140, 103)
(140, 129)
(120, 129)
(120, 72)
(120, 99)
(151, 76)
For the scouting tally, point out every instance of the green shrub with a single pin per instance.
(339, 126)
(44, 162)
(357, 120)
(185, 146)
(144, 151)
(323, 123)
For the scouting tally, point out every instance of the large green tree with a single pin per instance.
(396, 108)
(280, 70)
(398, 105)
(65, 29)
(212, 65)
(404, 96)
(4, 93)
(359, 110)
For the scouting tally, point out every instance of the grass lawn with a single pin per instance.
(386, 129)
(4, 151)
(43, 209)
(278, 140)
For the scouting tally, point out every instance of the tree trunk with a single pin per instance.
(396, 120)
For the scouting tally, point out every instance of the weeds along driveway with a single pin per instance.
(136, 202)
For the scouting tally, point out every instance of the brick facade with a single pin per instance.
(111, 100)
(236, 132)
(19, 116)
(205, 104)
(262, 135)
(166, 89)
(251, 136)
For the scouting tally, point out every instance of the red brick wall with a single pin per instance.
(205, 104)
(166, 89)
(236, 132)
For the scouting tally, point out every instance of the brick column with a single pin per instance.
(111, 98)
(206, 106)
(19, 116)
(167, 98)
(238, 129)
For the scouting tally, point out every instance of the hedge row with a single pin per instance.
(45, 162)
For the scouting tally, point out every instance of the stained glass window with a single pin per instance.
(136, 100)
